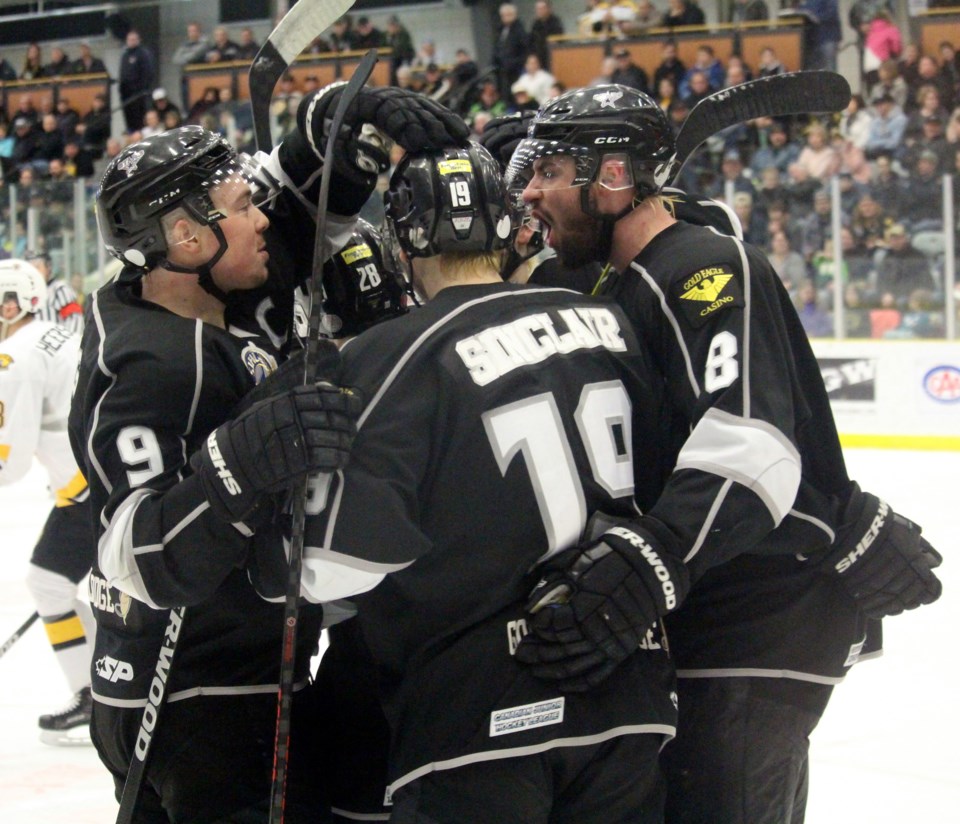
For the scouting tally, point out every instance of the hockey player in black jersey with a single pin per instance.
(499, 419)
(188, 445)
(789, 559)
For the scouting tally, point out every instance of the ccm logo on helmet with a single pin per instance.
(612, 140)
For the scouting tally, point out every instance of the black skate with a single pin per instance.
(71, 725)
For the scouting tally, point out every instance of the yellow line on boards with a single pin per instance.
(937, 443)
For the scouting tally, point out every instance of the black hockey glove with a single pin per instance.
(594, 605)
(503, 134)
(275, 442)
(414, 121)
(882, 559)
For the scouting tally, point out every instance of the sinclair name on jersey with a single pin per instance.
(529, 340)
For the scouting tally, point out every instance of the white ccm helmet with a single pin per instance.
(22, 282)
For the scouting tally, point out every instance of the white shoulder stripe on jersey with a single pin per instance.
(751, 452)
(116, 553)
(747, 312)
(672, 320)
(102, 365)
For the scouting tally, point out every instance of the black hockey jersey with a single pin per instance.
(758, 463)
(151, 387)
(500, 418)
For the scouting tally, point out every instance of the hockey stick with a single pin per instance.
(281, 748)
(775, 96)
(291, 36)
(156, 700)
(16, 636)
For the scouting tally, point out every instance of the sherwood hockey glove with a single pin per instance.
(414, 121)
(275, 442)
(502, 135)
(594, 605)
(882, 560)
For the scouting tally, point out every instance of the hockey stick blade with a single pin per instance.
(777, 96)
(16, 636)
(281, 747)
(292, 35)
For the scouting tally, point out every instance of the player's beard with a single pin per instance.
(586, 240)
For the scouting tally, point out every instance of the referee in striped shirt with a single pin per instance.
(63, 306)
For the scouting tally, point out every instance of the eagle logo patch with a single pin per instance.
(707, 291)
(259, 363)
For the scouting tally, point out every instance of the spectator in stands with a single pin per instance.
(647, 17)
(666, 92)
(816, 228)
(752, 221)
(366, 35)
(32, 63)
(465, 69)
(489, 103)
(736, 63)
(902, 268)
(850, 192)
(886, 129)
(162, 103)
(545, 25)
(931, 140)
(341, 34)
(537, 81)
(510, 48)
(868, 223)
(887, 187)
(247, 47)
(924, 200)
(818, 155)
(745, 11)
(6, 150)
(697, 87)
(67, 118)
(817, 322)
(192, 50)
(881, 41)
(26, 140)
(890, 82)
(707, 62)
(769, 64)
(787, 263)
(907, 65)
(822, 36)
(855, 122)
(58, 185)
(94, 126)
(732, 173)
(436, 85)
(607, 17)
(209, 99)
(49, 144)
(683, 13)
(400, 44)
(779, 151)
(950, 66)
(928, 105)
(7, 72)
(151, 124)
(59, 64)
(771, 192)
(86, 63)
(77, 160)
(801, 189)
(426, 54)
(283, 107)
(670, 66)
(628, 73)
(26, 110)
(928, 73)
(137, 79)
(222, 49)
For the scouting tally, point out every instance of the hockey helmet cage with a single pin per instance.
(361, 286)
(22, 282)
(589, 124)
(150, 178)
(448, 200)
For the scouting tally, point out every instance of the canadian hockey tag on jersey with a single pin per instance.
(706, 292)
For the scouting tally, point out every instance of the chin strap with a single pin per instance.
(205, 280)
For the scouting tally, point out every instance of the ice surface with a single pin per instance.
(886, 751)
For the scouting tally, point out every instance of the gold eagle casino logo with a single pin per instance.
(706, 286)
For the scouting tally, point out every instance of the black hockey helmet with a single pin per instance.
(361, 285)
(448, 200)
(588, 124)
(150, 178)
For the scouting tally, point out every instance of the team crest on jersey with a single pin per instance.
(5, 361)
(707, 291)
(259, 362)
